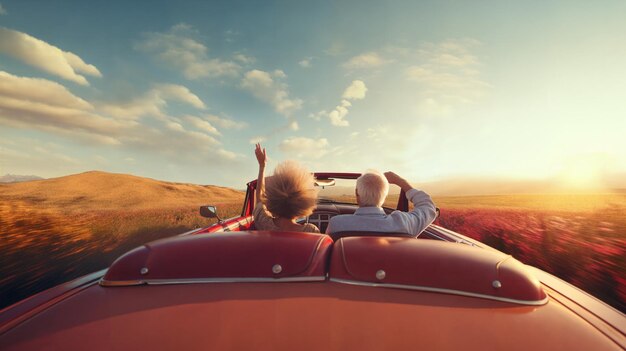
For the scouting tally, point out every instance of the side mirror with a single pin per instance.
(438, 212)
(209, 212)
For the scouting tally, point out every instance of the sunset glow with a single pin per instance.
(434, 91)
(582, 176)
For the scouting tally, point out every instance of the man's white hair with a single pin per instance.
(372, 187)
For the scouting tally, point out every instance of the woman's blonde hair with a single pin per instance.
(290, 192)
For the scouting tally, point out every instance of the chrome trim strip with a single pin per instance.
(433, 234)
(103, 282)
(460, 238)
(210, 280)
(190, 232)
(450, 236)
(501, 262)
(439, 290)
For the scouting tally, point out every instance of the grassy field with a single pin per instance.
(55, 230)
(579, 238)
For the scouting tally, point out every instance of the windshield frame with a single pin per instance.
(249, 202)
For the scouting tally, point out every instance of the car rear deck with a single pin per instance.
(185, 300)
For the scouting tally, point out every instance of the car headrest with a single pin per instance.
(434, 266)
(257, 256)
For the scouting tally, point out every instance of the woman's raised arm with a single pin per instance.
(261, 157)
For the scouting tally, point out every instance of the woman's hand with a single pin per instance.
(261, 155)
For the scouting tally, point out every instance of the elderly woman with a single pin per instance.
(284, 197)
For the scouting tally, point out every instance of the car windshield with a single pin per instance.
(343, 192)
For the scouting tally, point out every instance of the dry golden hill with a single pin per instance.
(103, 191)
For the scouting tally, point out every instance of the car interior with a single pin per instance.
(335, 197)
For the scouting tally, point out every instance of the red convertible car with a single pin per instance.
(231, 287)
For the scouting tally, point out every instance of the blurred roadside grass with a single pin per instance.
(41, 247)
(580, 238)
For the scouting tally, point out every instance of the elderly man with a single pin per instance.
(371, 191)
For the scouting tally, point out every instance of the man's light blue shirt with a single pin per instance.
(374, 219)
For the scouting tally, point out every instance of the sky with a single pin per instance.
(433, 90)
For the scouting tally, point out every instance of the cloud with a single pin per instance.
(461, 86)
(228, 155)
(318, 116)
(175, 126)
(246, 60)
(177, 136)
(176, 48)
(153, 102)
(448, 74)
(231, 35)
(306, 63)
(293, 125)
(2, 10)
(257, 139)
(264, 87)
(175, 141)
(202, 124)
(337, 115)
(40, 91)
(174, 138)
(48, 106)
(185, 137)
(366, 60)
(39, 104)
(45, 57)
(302, 147)
(369, 148)
(355, 91)
(257, 79)
(279, 73)
(336, 48)
(180, 93)
(225, 123)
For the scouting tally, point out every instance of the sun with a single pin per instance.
(582, 174)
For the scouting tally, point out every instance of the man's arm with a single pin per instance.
(393, 178)
(424, 211)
